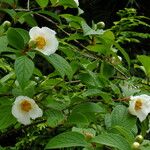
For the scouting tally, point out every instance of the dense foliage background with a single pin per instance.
(86, 87)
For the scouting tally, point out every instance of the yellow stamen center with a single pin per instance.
(26, 106)
(138, 105)
(40, 42)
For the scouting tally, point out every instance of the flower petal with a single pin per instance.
(36, 112)
(48, 31)
(34, 32)
(25, 119)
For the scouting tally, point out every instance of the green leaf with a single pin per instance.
(42, 3)
(87, 30)
(55, 117)
(23, 68)
(67, 139)
(15, 39)
(112, 140)
(6, 117)
(61, 65)
(101, 48)
(107, 70)
(68, 3)
(124, 53)
(11, 12)
(24, 34)
(121, 117)
(88, 107)
(3, 43)
(145, 60)
(125, 133)
(78, 119)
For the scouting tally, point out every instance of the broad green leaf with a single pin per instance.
(67, 139)
(87, 30)
(42, 3)
(78, 119)
(121, 117)
(59, 104)
(107, 70)
(88, 107)
(24, 34)
(54, 117)
(23, 68)
(68, 3)
(145, 60)
(61, 65)
(6, 117)
(112, 140)
(108, 36)
(127, 134)
(101, 48)
(15, 38)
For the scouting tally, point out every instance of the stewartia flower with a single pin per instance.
(140, 106)
(25, 108)
(44, 39)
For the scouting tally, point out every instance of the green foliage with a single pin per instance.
(83, 89)
(112, 140)
(67, 139)
(126, 29)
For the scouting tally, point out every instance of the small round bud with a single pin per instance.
(6, 24)
(115, 60)
(139, 139)
(101, 25)
(135, 146)
(88, 135)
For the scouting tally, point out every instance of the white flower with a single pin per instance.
(45, 40)
(25, 108)
(140, 106)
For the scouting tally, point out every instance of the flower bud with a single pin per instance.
(101, 25)
(139, 139)
(6, 24)
(135, 146)
(88, 135)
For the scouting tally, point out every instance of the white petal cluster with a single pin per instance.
(140, 106)
(45, 39)
(25, 109)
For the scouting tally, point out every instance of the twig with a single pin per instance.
(126, 99)
(28, 5)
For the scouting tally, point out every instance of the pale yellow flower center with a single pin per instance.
(138, 104)
(26, 105)
(40, 42)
